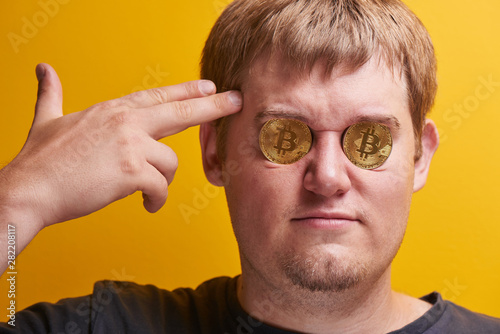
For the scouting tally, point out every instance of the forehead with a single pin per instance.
(326, 100)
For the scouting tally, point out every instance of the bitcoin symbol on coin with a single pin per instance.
(369, 141)
(367, 144)
(286, 140)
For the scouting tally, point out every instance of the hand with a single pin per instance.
(73, 165)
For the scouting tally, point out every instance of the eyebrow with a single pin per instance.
(389, 120)
(277, 113)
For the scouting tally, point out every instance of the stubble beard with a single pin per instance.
(315, 272)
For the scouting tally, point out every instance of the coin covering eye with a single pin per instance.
(285, 141)
(367, 144)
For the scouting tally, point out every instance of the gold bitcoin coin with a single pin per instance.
(367, 144)
(285, 141)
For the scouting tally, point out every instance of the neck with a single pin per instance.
(371, 306)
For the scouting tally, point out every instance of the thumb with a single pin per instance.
(49, 100)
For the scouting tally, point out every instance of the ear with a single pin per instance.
(211, 163)
(430, 143)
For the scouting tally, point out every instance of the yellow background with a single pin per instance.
(105, 49)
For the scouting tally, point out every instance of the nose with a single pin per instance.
(326, 174)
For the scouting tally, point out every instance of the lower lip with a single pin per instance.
(326, 223)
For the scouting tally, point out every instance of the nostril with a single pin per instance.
(327, 179)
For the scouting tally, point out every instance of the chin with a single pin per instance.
(317, 272)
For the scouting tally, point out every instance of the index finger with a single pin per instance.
(160, 95)
(167, 119)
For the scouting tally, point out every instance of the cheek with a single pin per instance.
(387, 191)
(390, 195)
(262, 187)
(259, 198)
(252, 213)
(394, 182)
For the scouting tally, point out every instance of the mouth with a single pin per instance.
(326, 220)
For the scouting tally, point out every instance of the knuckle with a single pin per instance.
(219, 102)
(128, 140)
(130, 101)
(106, 105)
(159, 95)
(191, 89)
(120, 118)
(183, 109)
(123, 143)
(41, 91)
(129, 166)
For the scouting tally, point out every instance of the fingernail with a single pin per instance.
(235, 98)
(40, 72)
(206, 87)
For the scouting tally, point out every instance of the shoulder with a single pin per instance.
(445, 317)
(127, 307)
(456, 319)
(67, 315)
(471, 322)
(112, 292)
(139, 307)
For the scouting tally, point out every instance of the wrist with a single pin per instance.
(18, 203)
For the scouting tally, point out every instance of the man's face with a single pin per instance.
(321, 223)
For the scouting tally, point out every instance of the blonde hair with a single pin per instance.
(340, 32)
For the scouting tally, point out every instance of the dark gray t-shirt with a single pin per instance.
(125, 307)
